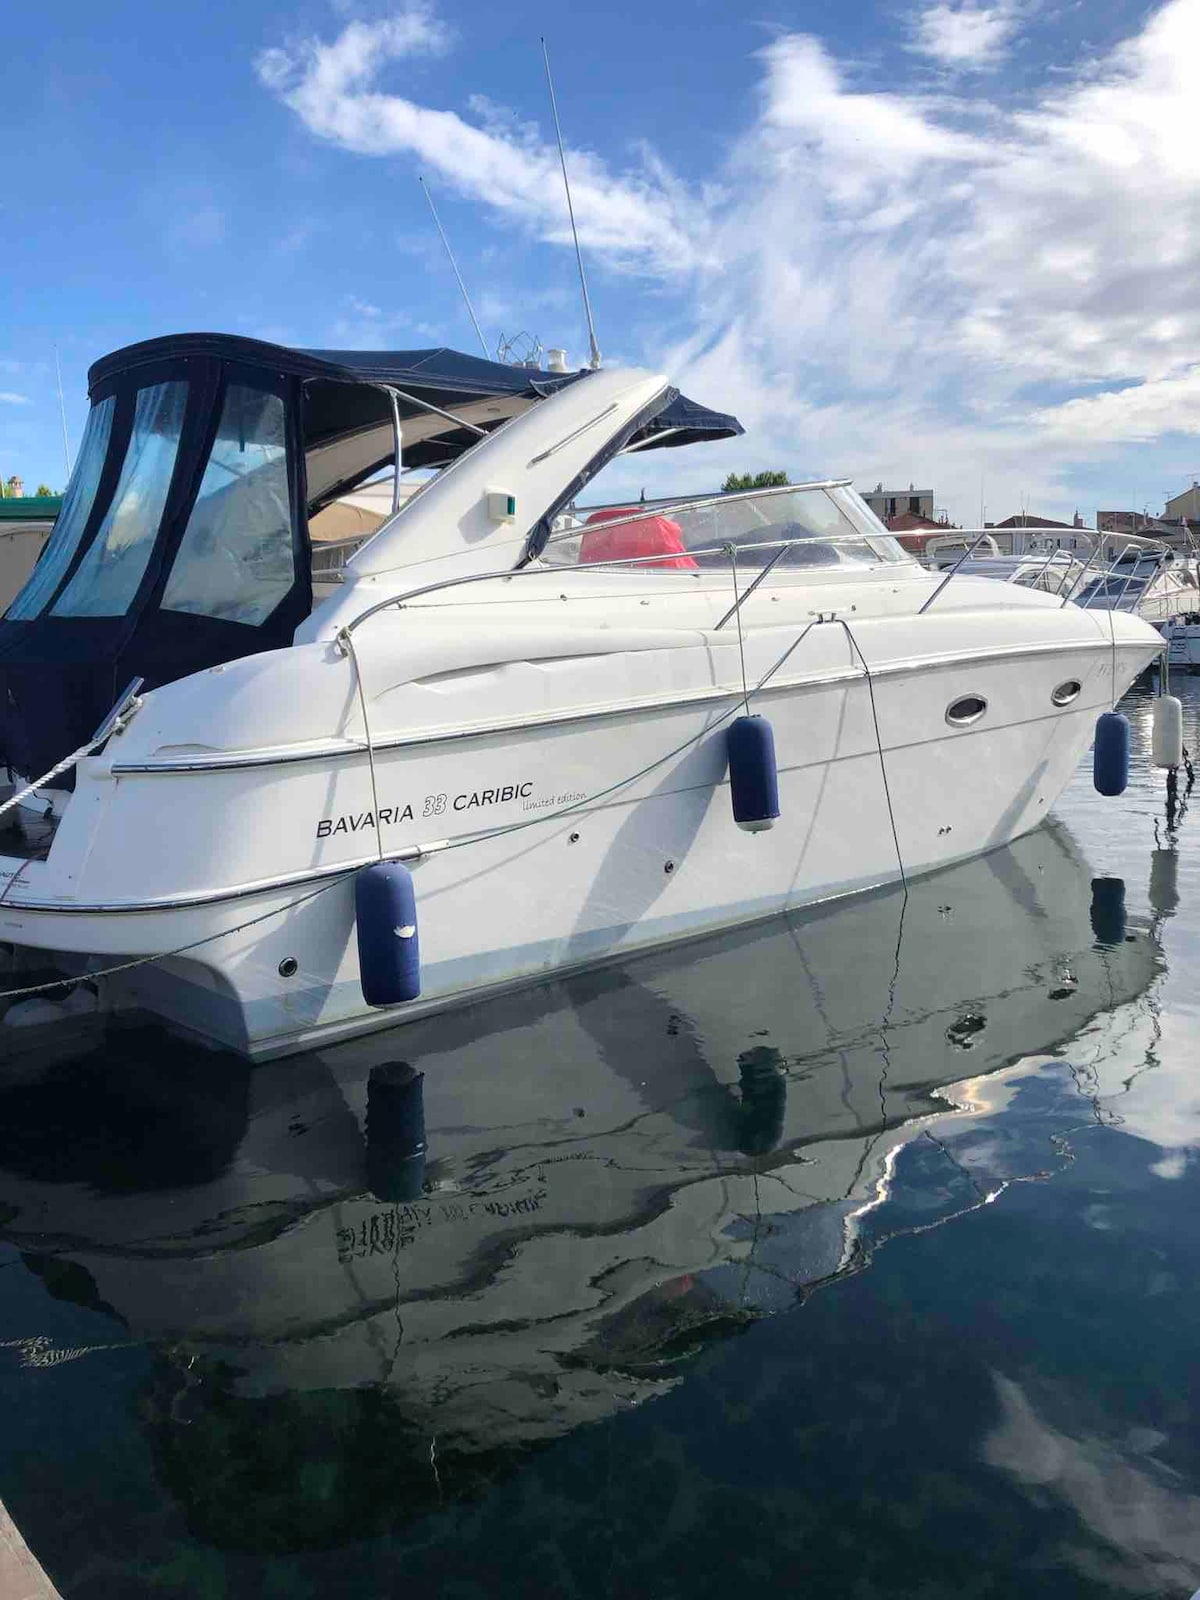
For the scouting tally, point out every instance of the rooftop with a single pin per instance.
(30, 507)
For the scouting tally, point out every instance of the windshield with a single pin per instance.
(236, 560)
(72, 517)
(818, 522)
(110, 573)
(1122, 586)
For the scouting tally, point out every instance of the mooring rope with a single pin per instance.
(346, 639)
(887, 791)
(56, 771)
(737, 612)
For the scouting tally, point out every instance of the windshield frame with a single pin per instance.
(102, 584)
(885, 548)
(81, 503)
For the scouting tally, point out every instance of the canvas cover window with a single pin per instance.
(109, 574)
(72, 517)
(236, 559)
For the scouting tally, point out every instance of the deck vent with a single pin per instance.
(968, 708)
(1066, 692)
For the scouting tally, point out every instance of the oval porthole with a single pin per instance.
(968, 708)
(1066, 692)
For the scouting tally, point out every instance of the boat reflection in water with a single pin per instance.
(374, 1277)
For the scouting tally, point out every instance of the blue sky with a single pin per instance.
(956, 244)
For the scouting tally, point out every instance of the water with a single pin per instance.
(853, 1253)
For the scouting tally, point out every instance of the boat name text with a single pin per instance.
(433, 805)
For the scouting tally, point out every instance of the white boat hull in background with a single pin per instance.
(1183, 646)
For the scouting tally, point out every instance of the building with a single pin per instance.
(1137, 522)
(25, 524)
(1174, 531)
(1185, 505)
(888, 503)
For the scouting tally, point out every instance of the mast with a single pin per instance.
(62, 411)
(594, 359)
(454, 264)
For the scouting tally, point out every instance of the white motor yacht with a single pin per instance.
(1182, 634)
(526, 709)
(1150, 580)
(1140, 575)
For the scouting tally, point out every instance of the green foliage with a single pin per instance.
(754, 480)
(45, 492)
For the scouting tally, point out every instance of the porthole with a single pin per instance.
(968, 708)
(1066, 692)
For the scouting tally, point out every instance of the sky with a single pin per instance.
(955, 245)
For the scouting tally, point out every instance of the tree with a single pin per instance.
(754, 480)
(45, 492)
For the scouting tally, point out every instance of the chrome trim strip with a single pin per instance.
(149, 908)
(343, 750)
(547, 719)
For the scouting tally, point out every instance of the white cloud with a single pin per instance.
(321, 70)
(883, 283)
(964, 36)
(361, 325)
(9, 397)
(1138, 1527)
(1137, 415)
(631, 218)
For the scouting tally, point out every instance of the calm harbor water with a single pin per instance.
(855, 1252)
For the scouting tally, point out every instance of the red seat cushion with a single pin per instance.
(648, 536)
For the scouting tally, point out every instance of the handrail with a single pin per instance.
(533, 571)
(1094, 537)
(1161, 553)
(781, 546)
(970, 550)
(741, 599)
(953, 537)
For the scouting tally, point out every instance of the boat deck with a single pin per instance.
(25, 837)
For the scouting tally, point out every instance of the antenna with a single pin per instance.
(454, 264)
(594, 361)
(62, 411)
(522, 350)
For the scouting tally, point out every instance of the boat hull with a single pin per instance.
(1183, 647)
(586, 860)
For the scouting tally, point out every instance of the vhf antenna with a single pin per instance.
(62, 411)
(594, 360)
(457, 273)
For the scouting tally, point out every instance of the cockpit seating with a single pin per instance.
(633, 541)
